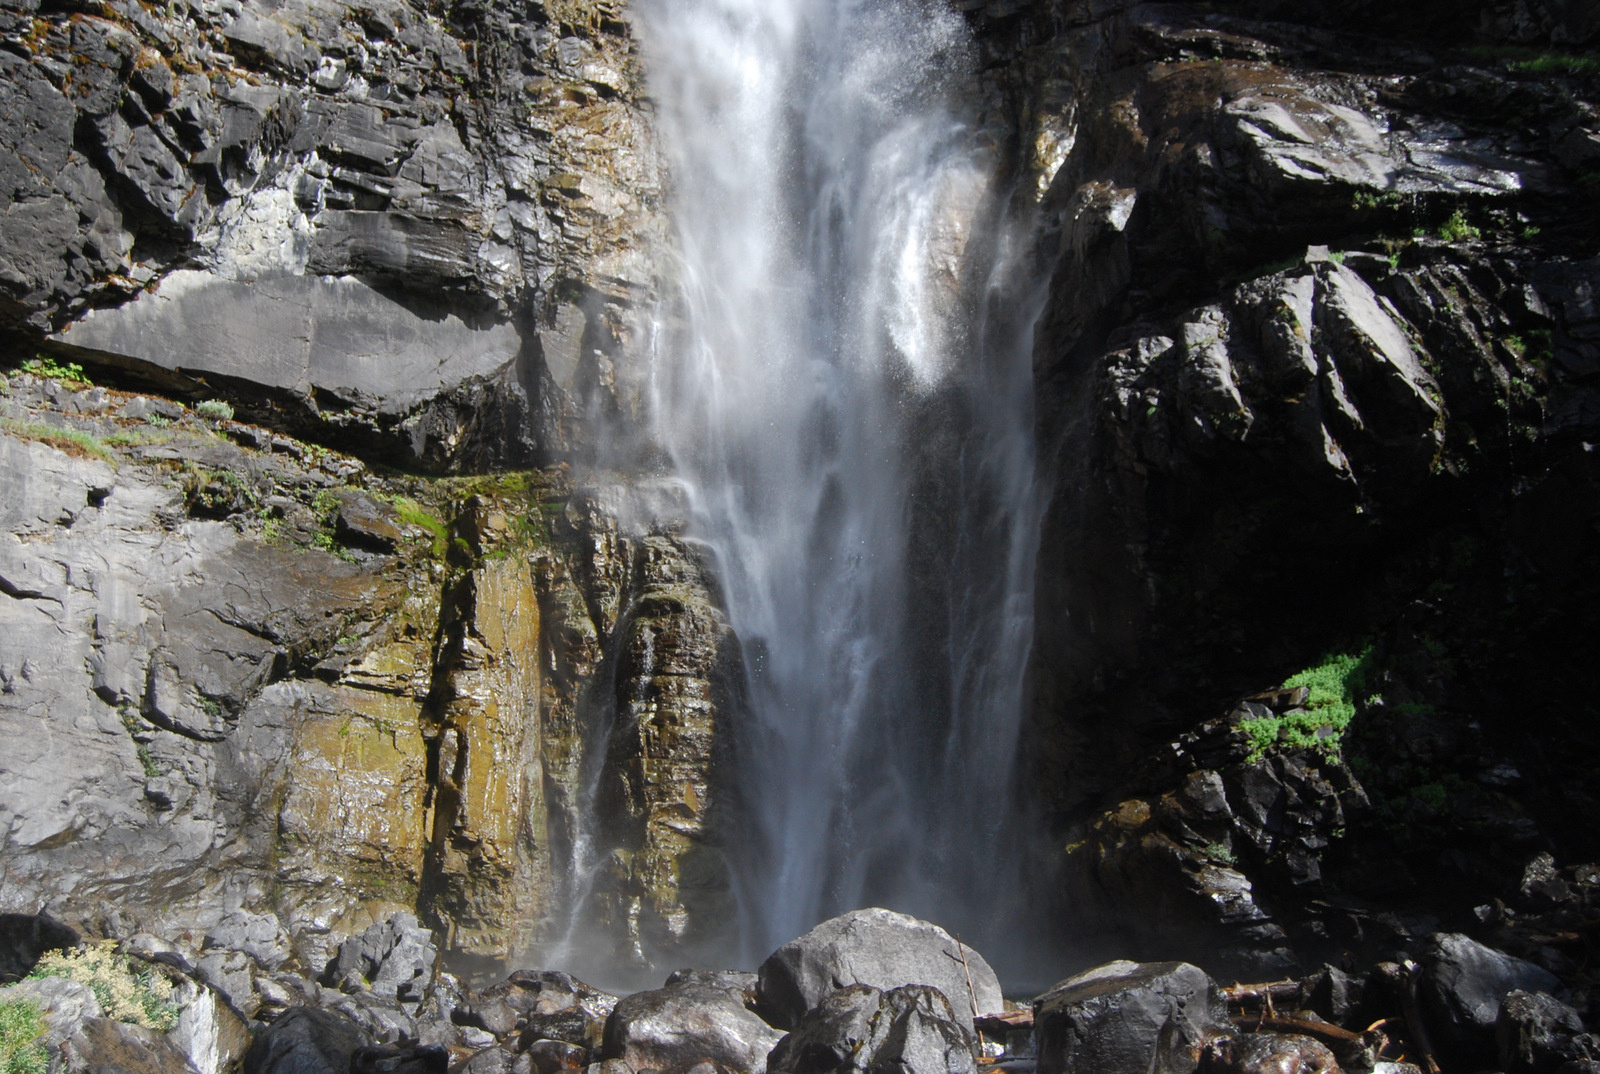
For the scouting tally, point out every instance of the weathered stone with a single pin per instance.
(859, 1028)
(1128, 1017)
(1268, 1053)
(880, 948)
(258, 935)
(394, 959)
(1536, 1032)
(695, 1018)
(1463, 986)
(104, 1044)
(305, 1040)
(367, 523)
(546, 1005)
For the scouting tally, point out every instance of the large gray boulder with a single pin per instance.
(1463, 985)
(880, 948)
(1128, 1018)
(697, 1017)
(909, 1030)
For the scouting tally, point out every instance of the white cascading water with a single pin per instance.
(844, 384)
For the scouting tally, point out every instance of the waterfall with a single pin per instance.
(843, 381)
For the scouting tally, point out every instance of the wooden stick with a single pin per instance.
(972, 994)
(1239, 994)
(1414, 1027)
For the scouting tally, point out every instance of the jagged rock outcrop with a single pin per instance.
(368, 225)
(1312, 375)
(286, 685)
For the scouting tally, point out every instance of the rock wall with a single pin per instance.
(245, 672)
(1313, 378)
(408, 235)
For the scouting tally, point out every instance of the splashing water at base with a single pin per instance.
(843, 382)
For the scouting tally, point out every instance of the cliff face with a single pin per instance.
(1315, 377)
(403, 231)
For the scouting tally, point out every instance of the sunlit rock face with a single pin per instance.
(366, 225)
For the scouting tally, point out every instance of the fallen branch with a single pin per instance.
(1413, 1018)
(1346, 1044)
(1240, 994)
(1282, 1023)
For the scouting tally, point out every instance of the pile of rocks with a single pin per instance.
(870, 991)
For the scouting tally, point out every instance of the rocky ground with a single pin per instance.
(869, 991)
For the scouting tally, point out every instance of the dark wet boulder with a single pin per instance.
(697, 1017)
(1536, 1033)
(1268, 1053)
(1128, 1018)
(880, 948)
(306, 1040)
(556, 1056)
(1463, 984)
(400, 1059)
(908, 1030)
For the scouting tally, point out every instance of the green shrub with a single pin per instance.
(138, 996)
(1332, 687)
(21, 1049)
(1456, 229)
(45, 365)
(214, 410)
(414, 514)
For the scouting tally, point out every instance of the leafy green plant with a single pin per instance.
(137, 996)
(1457, 229)
(22, 1051)
(1332, 688)
(1555, 63)
(45, 365)
(214, 410)
(1219, 853)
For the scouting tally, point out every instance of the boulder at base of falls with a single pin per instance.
(1538, 1033)
(1268, 1053)
(911, 1030)
(541, 1005)
(1463, 984)
(698, 1017)
(880, 948)
(306, 1040)
(1129, 1018)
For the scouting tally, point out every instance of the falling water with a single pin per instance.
(844, 385)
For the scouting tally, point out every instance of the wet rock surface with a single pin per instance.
(881, 949)
(861, 1028)
(698, 1017)
(1127, 1016)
